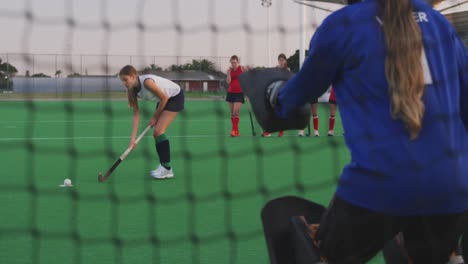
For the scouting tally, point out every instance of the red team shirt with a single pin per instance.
(234, 86)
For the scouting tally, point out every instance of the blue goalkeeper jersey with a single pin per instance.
(388, 172)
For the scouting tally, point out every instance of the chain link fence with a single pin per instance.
(82, 76)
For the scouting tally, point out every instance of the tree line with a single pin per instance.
(203, 65)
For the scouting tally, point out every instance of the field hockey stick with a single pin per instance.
(308, 129)
(103, 178)
(249, 108)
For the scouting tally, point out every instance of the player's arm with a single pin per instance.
(228, 77)
(133, 103)
(163, 98)
(320, 68)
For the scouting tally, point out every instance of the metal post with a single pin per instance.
(303, 28)
(7, 66)
(56, 80)
(267, 4)
(81, 76)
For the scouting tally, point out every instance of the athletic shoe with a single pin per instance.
(162, 173)
(316, 133)
(281, 133)
(331, 133)
(235, 133)
(301, 133)
(266, 134)
(456, 259)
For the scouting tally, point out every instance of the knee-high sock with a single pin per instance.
(163, 149)
(315, 121)
(235, 122)
(331, 123)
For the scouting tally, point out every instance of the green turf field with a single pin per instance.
(208, 213)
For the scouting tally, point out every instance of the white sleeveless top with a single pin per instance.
(169, 87)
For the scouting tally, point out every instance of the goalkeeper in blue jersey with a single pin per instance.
(400, 75)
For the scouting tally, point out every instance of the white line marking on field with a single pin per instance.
(124, 137)
(97, 138)
(61, 121)
(99, 121)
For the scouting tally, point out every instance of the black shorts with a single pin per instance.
(331, 101)
(351, 234)
(464, 239)
(235, 97)
(176, 103)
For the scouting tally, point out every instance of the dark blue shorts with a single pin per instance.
(176, 103)
(235, 97)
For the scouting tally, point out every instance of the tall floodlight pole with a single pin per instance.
(302, 38)
(267, 4)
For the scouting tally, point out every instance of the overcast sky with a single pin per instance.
(216, 28)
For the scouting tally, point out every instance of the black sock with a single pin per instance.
(163, 149)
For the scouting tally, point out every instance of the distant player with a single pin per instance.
(282, 64)
(315, 118)
(170, 100)
(235, 96)
(331, 120)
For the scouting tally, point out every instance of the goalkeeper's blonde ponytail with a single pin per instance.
(403, 67)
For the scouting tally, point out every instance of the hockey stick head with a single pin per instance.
(101, 177)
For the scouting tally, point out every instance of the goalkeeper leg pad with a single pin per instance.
(305, 250)
(284, 242)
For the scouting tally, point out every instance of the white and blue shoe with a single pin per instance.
(162, 173)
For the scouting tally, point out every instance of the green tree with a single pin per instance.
(204, 65)
(7, 67)
(174, 67)
(74, 74)
(188, 67)
(58, 73)
(152, 68)
(196, 65)
(42, 75)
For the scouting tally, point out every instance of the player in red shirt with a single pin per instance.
(235, 96)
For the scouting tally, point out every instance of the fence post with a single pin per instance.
(81, 76)
(8, 64)
(56, 81)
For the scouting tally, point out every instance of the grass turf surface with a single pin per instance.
(209, 213)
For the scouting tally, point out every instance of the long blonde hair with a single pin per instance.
(403, 67)
(129, 70)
